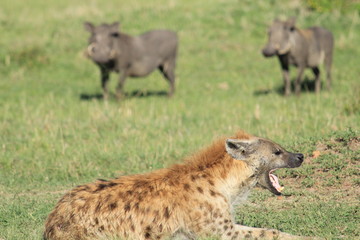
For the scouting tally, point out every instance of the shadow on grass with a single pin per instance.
(88, 97)
(133, 94)
(307, 85)
(140, 93)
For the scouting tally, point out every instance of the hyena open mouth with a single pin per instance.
(271, 182)
(275, 181)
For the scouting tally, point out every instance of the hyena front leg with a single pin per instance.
(221, 224)
(244, 232)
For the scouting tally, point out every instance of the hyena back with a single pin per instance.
(193, 199)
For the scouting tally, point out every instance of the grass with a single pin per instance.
(53, 139)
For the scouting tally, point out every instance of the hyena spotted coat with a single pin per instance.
(188, 200)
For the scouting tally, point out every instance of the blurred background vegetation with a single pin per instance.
(343, 6)
(55, 133)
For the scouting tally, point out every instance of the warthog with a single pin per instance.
(303, 48)
(136, 56)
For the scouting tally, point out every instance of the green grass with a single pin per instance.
(52, 140)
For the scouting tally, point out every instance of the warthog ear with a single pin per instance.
(291, 23)
(89, 26)
(115, 26)
(240, 149)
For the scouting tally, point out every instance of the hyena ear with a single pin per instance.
(89, 27)
(239, 149)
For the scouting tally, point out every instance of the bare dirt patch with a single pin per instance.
(334, 171)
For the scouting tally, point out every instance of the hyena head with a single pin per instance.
(264, 157)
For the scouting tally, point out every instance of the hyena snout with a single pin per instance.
(296, 160)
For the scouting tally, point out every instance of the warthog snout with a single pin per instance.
(269, 51)
(99, 53)
(92, 49)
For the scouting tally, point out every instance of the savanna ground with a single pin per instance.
(55, 133)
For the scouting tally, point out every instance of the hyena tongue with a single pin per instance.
(275, 182)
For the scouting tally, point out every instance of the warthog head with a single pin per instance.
(279, 37)
(102, 42)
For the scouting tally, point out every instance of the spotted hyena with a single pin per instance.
(190, 200)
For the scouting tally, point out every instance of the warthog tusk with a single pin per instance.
(285, 50)
(290, 44)
(113, 53)
(90, 48)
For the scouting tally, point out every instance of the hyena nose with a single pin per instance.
(300, 157)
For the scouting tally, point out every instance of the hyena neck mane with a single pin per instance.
(213, 156)
(211, 169)
(215, 166)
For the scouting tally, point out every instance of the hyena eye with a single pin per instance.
(278, 152)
